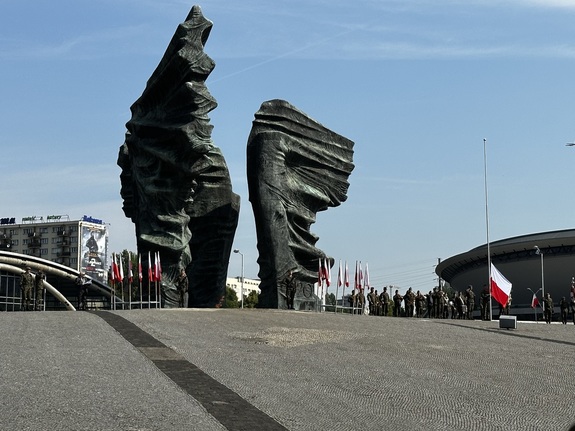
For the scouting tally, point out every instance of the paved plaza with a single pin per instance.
(190, 369)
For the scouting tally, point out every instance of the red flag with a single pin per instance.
(157, 267)
(150, 272)
(534, 301)
(339, 275)
(346, 275)
(115, 269)
(327, 272)
(140, 267)
(360, 277)
(500, 286)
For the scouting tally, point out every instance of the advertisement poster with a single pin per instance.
(94, 250)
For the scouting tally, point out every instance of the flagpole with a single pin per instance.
(487, 229)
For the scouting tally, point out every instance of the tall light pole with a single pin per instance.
(242, 288)
(540, 253)
(487, 229)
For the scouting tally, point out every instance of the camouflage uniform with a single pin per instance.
(26, 286)
(39, 284)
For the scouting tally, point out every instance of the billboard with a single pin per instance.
(94, 251)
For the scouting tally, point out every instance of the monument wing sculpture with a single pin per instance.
(296, 167)
(175, 182)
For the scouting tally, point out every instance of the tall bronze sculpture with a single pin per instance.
(296, 167)
(175, 182)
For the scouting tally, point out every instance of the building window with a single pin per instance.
(43, 251)
(14, 242)
(43, 230)
(74, 249)
(43, 240)
(24, 241)
(27, 230)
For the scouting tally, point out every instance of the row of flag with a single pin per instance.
(361, 277)
(117, 268)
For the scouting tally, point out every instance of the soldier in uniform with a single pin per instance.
(384, 299)
(82, 282)
(564, 306)
(430, 313)
(419, 301)
(409, 300)
(361, 301)
(470, 302)
(290, 287)
(548, 307)
(397, 298)
(26, 286)
(182, 286)
(371, 300)
(39, 284)
(351, 299)
(485, 299)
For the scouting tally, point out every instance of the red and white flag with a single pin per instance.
(150, 272)
(140, 267)
(346, 276)
(327, 270)
(500, 286)
(319, 272)
(130, 272)
(121, 266)
(534, 301)
(339, 275)
(366, 277)
(157, 267)
(115, 269)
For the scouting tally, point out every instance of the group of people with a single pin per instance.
(31, 284)
(435, 304)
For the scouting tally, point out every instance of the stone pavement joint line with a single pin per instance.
(232, 411)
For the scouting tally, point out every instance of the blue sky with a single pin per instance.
(417, 85)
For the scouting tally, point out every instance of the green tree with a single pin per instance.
(251, 301)
(231, 298)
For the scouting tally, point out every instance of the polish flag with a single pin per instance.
(500, 286)
(534, 301)
(339, 275)
(140, 267)
(327, 272)
(157, 267)
(121, 266)
(130, 272)
(150, 272)
(366, 277)
(346, 275)
(115, 269)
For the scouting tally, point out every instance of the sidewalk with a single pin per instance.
(192, 369)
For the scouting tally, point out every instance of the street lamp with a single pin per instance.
(540, 253)
(242, 288)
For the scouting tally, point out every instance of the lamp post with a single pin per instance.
(540, 253)
(241, 288)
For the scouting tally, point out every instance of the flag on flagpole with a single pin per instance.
(130, 272)
(150, 272)
(121, 266)
(157, 267)
(115, 269)
(140, 267)
(327, 272)
(346, 275)
(500, 286)
(339, 275)
(366, 277)
(319, 272)
(360, 277)
(534, 301)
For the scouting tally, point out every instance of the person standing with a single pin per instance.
(548, 307)
(470, 302)
(290, 288)
(419, 303)
(409, 300)
(83, 282)
(397, 298)
(485, 301)
(39, 285)
(26, 286)
(564, 307)
(182, 286)
(384, 298)
(371, 301)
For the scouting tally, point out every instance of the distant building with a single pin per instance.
(249, 285)
(79, 244)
